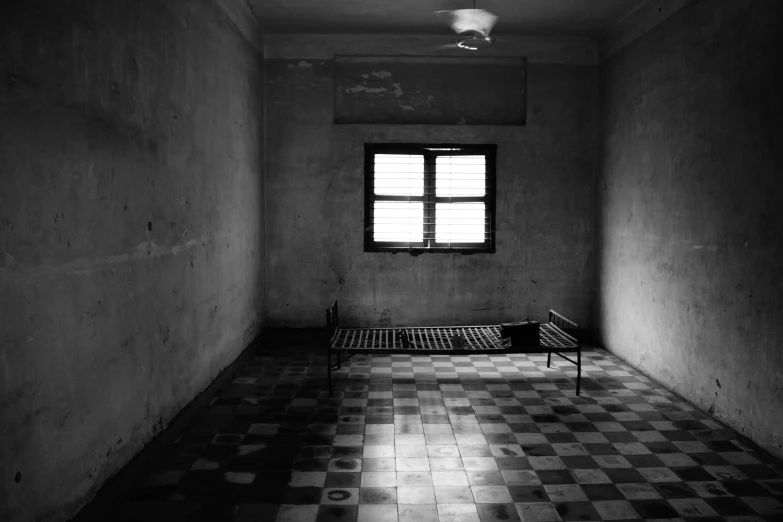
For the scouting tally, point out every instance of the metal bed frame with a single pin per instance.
(557, 335)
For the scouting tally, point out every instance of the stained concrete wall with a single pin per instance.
(315, 186)
(131, 234)
(690, 196)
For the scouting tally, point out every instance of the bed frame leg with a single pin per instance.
(329, 368)
(549, 358)
(578, 369)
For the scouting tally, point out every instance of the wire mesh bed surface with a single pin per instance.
(437, 339)
(555, 336)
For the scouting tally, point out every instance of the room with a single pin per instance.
(187, 185)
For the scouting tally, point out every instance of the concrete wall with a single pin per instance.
(315, 184)
(131, 233)
(690, 197)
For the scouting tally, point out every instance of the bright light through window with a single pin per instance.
(399, 174)
(399, 221)
(459, 222)
(457, 176)
(429, 198)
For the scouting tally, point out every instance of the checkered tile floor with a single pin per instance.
(454, 439)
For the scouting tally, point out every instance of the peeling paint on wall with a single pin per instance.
(364, 88)
(438, 90)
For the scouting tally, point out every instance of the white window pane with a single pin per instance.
(398, 221)
(460, 176)
(459, 222)
(399, 174)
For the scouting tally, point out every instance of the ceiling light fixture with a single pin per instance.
(474, 25)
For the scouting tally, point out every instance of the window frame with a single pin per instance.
(430, 198)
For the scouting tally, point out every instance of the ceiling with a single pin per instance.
(530, 17)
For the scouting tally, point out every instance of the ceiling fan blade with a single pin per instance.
(448, 46)
(463, 20)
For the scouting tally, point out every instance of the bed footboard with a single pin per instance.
(332, 332)
(332, 324)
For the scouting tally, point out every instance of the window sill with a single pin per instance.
(418, 251)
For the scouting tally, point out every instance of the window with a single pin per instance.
(429, 198)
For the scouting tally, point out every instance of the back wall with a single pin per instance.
(315, 188)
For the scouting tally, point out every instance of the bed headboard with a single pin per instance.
(332, 319)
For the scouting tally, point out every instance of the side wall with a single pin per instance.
(315, 182)
(690, 196)
(131, 233)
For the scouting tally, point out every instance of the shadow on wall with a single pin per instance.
(131, 232)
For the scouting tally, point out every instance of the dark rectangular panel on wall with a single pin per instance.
(430, 90)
